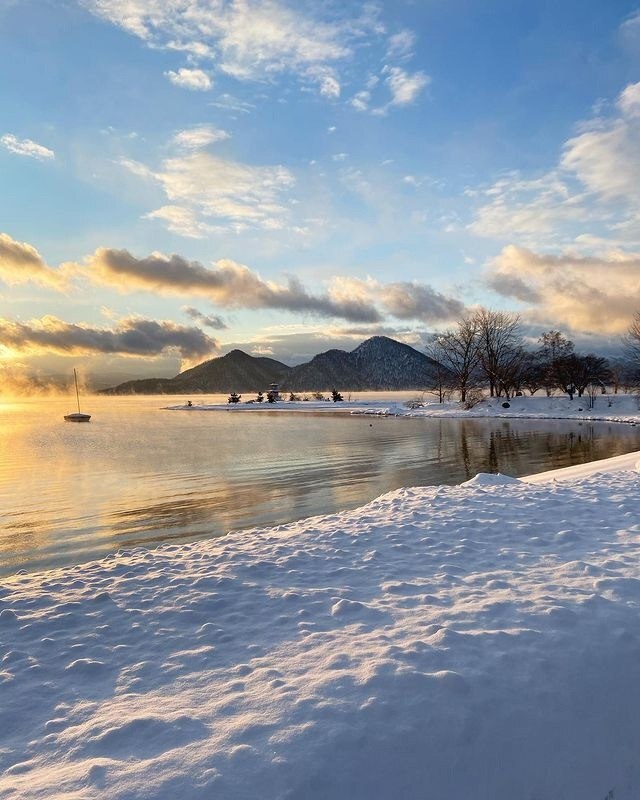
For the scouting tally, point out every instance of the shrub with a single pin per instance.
(474, 396)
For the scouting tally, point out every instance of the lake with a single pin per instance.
(138, 474)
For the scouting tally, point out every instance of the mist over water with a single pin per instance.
(138, 474)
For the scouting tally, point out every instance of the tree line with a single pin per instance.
(487, 350)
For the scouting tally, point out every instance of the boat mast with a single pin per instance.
(75, 377)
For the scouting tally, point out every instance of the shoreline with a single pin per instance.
(625, 409)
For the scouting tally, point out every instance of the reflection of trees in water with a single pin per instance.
(217, 474)
(483, 447)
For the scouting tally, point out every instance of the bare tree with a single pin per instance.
(593, 390)
(533, 372)
(632, 347)
(554, 351)
(500, 347)
(575, 372)
(554, 345)
(457, 351)
(622, 375)
(511, 372)
(441, 376)
(632, 338)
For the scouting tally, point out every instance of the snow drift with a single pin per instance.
(479, 641)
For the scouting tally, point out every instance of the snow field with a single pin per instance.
(479, 641)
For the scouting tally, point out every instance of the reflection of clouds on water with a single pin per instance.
(139, 475)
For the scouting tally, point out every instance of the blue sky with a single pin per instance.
(185, 176)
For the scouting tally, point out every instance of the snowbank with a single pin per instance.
(478, 641)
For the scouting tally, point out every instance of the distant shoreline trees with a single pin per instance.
(486, 350)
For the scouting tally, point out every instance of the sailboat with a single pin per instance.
(77, 416)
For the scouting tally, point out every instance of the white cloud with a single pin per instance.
(401, 44)
(630, 30)
(527, 208)
(405, 86)
(629, 100)
(225, 189)
(599, 295)
(227, 102)
(329, 87)
(181, 221)
(594, 191)
(258, 40)
(606, 159)
(199, 137)
(137, 168)
(411, 180)
(247, 39)
(207, 193)
(360, 101)
(26, 147)
(195, 80)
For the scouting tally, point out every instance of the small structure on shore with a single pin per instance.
(273, 395)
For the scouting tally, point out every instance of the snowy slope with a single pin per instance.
(480, 641)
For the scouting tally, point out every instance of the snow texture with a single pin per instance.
(479, 641)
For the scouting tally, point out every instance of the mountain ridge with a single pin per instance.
(377, 363)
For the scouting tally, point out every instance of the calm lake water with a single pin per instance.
(140, 475)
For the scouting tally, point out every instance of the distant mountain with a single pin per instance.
(235, 372)
(388, 364)
(378, 363)
(331, 370)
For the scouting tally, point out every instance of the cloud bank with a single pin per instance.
(21, 263)
(130, 337)
(599, 295)
(229, 284)
(404, 300)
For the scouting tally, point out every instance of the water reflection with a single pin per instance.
(141, 475)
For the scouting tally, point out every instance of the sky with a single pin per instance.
(183, 177)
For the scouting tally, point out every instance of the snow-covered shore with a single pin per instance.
(608, 408)
(478, 641)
